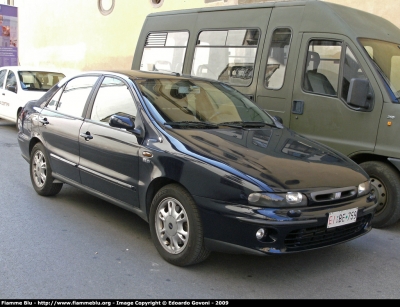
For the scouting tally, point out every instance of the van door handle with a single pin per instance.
(298, 107)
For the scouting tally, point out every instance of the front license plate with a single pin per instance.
(340, 218)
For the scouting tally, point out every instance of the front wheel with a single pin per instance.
(385, 184)
(40, 171)
(176, 228)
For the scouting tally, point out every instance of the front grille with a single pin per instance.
(334, 195)
(314, 237)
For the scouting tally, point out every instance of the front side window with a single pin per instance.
(75, 94)
(164, 51)
(387, 57)
(277, 58)
(321, 75)
(11, 81)
(353, 71)
(113, 98)
(226, 55)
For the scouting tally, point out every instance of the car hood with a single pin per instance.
(276, 159)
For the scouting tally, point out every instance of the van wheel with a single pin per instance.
(40, 171)
(176, 228)
(385, 182)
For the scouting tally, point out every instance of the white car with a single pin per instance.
(19, 84)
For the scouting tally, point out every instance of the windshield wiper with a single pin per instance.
(244, 124)
(192, 124)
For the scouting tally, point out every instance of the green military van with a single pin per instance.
(327, 71)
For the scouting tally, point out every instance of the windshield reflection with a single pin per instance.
(199, 101)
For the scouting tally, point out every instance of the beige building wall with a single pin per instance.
(73, 35)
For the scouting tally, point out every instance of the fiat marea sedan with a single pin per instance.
(200, 162)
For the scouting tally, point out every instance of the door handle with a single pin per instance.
(44, 121)
(298, 107)
(87, 136)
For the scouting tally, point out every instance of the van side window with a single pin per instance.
(321, 73)
(164, 51)
(352, 71)
(226, 55)
(277, 58)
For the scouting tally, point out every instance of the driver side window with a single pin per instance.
(112, 98)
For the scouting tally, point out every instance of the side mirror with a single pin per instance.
(278, 121)
(124, 122)
(358, 94)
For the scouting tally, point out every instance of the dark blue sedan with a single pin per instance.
(207, 168)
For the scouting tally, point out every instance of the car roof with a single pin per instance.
(136, 74)
(31, 68)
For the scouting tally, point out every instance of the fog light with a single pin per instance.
(260, 233)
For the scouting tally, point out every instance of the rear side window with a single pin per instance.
(72, 99)
(277, 58)
(2, 76)
(226, 55)
(164, 51)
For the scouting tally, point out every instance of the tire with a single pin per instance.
(18, 120)
(40, 172)
(176, 228)
(385, 181)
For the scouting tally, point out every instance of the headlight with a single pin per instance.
(278, 200)
(364, 188)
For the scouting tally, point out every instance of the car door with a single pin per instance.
(11, 95)
(3, 105)
(320, 108)
(60, 122)
(109, 156)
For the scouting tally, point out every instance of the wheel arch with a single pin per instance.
(154, 187)
(32, 143)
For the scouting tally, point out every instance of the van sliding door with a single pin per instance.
(279, 61)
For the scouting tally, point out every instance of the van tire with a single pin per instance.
(385, 181)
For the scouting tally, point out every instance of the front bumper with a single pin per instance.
(232, 228)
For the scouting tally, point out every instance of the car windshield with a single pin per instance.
(387, 57)
(184, 103)
(39, 80)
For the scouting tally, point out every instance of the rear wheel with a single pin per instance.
(176, 228)
(385, 181)
(40, 172)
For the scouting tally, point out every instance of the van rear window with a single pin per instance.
(226, 55)
(164, 51)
